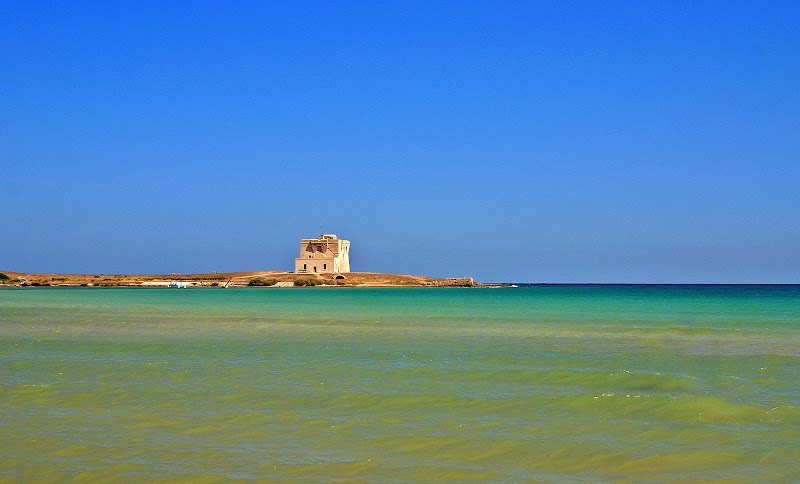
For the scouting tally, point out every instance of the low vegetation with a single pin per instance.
(6, 279)
(309, 282)
(262, 281)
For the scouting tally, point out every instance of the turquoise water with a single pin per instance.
(541, 383)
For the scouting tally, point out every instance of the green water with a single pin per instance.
(543, 383)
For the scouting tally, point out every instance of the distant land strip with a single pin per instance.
(234, 279)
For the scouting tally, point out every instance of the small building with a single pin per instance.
(325, 254)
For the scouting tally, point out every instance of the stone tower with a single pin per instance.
(325, 254)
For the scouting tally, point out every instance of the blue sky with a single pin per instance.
(530, 141)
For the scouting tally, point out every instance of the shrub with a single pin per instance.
(262, 281)
(3, 277)
(308, 282)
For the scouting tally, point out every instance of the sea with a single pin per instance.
(537, 383)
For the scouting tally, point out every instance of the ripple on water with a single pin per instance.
(516, 387)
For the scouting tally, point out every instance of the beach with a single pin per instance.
(543, 383)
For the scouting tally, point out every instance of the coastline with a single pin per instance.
(235, 279)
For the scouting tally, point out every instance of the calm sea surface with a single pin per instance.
(540, 383)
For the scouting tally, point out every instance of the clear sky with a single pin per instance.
(530, 142)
